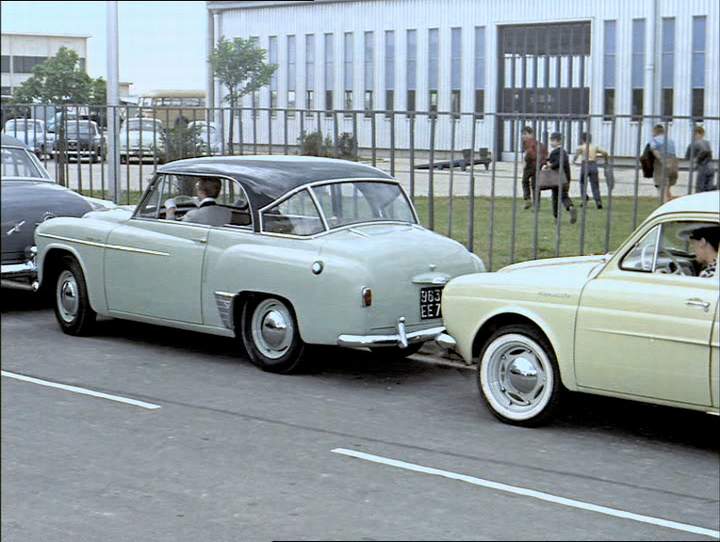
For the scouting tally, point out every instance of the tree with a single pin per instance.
(60, 80)
(240, 66)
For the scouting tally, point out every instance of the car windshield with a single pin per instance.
(20, 163)
(353, 202)
(137, 125)
(22, 126)
(83, 129)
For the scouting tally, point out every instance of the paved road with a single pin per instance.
(237, 454)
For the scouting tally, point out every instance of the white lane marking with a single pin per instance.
(530, 493)
(83, 391)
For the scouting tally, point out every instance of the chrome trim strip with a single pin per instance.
(348, 227)
(389, 340)
(24, 268)
(446, 341)
(104, 245)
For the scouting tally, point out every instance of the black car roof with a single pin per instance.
(268, 177)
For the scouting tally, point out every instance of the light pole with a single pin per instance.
(112, 99)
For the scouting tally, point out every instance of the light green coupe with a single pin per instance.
(281, 252)
(640, 323)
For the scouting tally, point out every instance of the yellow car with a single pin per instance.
(640, 323)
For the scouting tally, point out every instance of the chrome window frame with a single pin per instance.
(44, 175)
(328, 229)
(250, 227)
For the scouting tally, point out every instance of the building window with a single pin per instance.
(329, 73)
(667, 67)
(291, 73)
(25, 64)
(389, 72)
(81, 63)
(369, 59)
(368, 103)
(348, 73)
(273, 60)
(411, 69)
(480, 70)
(698, 67)
(455, 69)
(5, 64)
(433, 52)
(389, 103)
(309, 73)
(637, 68)
(291, 104)
(609, 58)
(433, 101)
(410, 102)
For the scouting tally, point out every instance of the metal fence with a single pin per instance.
(464, 181)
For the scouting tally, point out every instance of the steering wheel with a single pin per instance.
(183, 200)
(679, 268)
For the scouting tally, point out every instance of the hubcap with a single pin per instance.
(516, 377)
(272, 328)
(68, 300)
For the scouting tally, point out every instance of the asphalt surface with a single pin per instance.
(237, 454)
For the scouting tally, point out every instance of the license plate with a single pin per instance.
(430, 303)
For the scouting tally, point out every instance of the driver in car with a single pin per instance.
(208, 211)
(704, 241)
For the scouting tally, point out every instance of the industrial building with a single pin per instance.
(615, 59)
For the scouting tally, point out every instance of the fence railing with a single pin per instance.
(463, 171)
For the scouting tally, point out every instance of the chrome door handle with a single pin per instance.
(695, 302)
(200, 239)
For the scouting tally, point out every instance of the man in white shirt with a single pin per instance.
(208, 211)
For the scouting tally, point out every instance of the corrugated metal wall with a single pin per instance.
(401, 15)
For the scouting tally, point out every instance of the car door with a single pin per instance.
(645, 333)
(153, 267)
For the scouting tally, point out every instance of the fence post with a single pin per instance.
(471, 203)
(608, 226)
(431, 171)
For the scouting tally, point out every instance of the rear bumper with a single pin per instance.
(20, 276)
(401, 339)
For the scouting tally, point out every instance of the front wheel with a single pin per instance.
(518, 376)
(270, 335)
(72, 304)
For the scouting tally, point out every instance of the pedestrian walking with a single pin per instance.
(701, 151)
(589, 169)
(560, 162)
(534, 151)
(665, 165)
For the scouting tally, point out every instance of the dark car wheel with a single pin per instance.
(518, 376)
(270, 334)
(72, 304)
(396, 352)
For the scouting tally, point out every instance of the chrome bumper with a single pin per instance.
(21, 276)
(446, 341)
(401, 339)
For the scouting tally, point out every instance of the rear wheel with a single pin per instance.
(270, 335)
(72, 304)
(518, 376)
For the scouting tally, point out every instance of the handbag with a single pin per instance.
(549, 178)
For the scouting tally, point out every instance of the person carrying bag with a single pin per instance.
(555, 175)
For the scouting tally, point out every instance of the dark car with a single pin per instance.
(82, 139)
(30, 196)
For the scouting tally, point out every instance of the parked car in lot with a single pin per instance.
(83, 139)
(208, 136)
(142, 139)
(304, 251)
(639, 323)
(29, 196)
(33, 133)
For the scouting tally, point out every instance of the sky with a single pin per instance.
(162, 44)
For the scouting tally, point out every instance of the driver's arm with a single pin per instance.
(170, 208)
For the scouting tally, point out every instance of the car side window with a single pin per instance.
(296, 215)
(665, 249)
